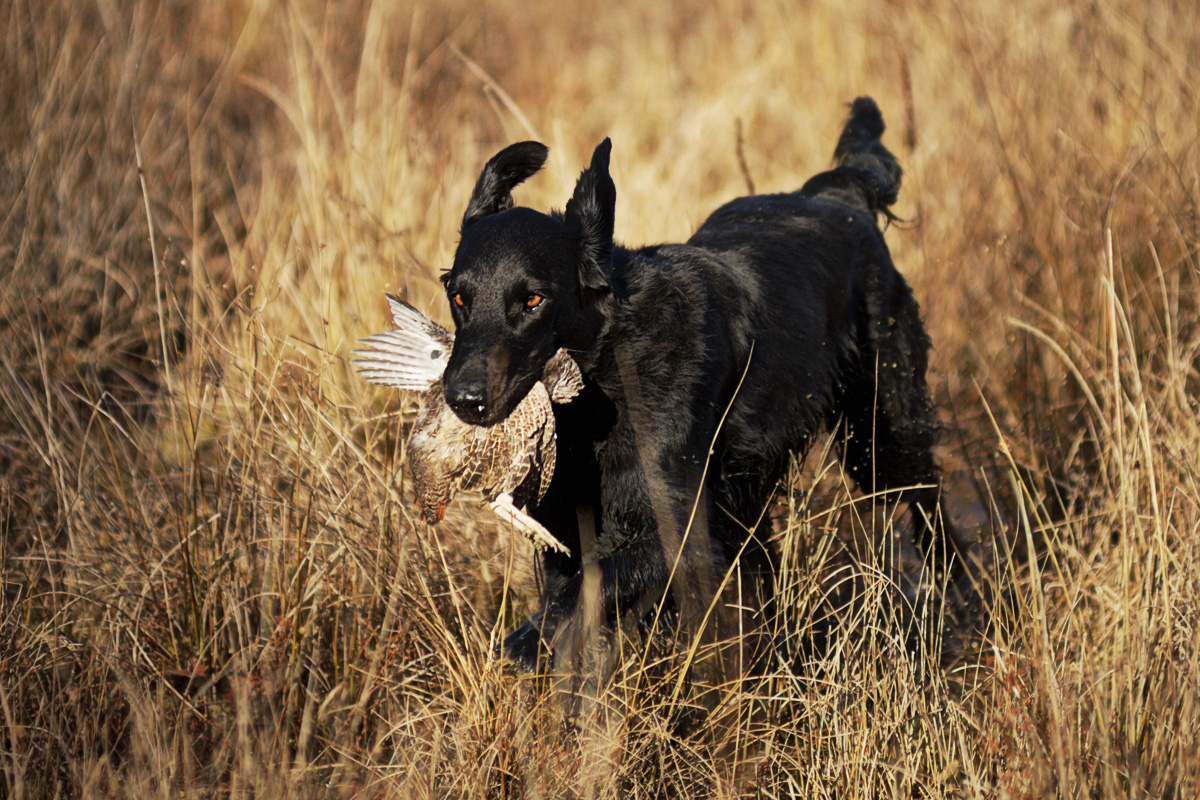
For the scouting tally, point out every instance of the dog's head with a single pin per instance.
(524, 283)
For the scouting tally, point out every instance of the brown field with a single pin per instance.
(212, 586)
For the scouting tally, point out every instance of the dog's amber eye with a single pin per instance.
(458, 299)
(533, 301)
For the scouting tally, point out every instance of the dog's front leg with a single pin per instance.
(626, 580)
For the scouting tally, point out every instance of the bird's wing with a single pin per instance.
(562, 377)
(411, 357)
(547, 451)
(408, 318)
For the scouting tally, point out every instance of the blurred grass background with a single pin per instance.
(213, 587)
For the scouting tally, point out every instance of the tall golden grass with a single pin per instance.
(212, 585)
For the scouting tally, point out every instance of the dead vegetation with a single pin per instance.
(213, 587)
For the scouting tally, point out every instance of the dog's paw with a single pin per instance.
(528, 647)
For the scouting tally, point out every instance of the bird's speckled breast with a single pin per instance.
(447, 455)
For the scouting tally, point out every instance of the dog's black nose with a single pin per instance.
(469, 402)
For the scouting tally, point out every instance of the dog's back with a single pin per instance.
(807, 278)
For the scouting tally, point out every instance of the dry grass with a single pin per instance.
(212, 586)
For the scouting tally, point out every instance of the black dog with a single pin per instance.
(706, 364)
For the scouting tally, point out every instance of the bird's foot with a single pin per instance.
(527, 525)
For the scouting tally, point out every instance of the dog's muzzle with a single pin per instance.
(469, 402)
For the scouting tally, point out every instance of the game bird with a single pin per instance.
(510, 462)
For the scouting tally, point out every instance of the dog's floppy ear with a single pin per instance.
(591, 211)
(509, 167)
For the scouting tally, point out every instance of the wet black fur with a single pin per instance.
(783, 312)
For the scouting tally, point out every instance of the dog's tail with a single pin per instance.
(867, 175)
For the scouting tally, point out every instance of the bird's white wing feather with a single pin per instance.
(410, 319)
(411, 357)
